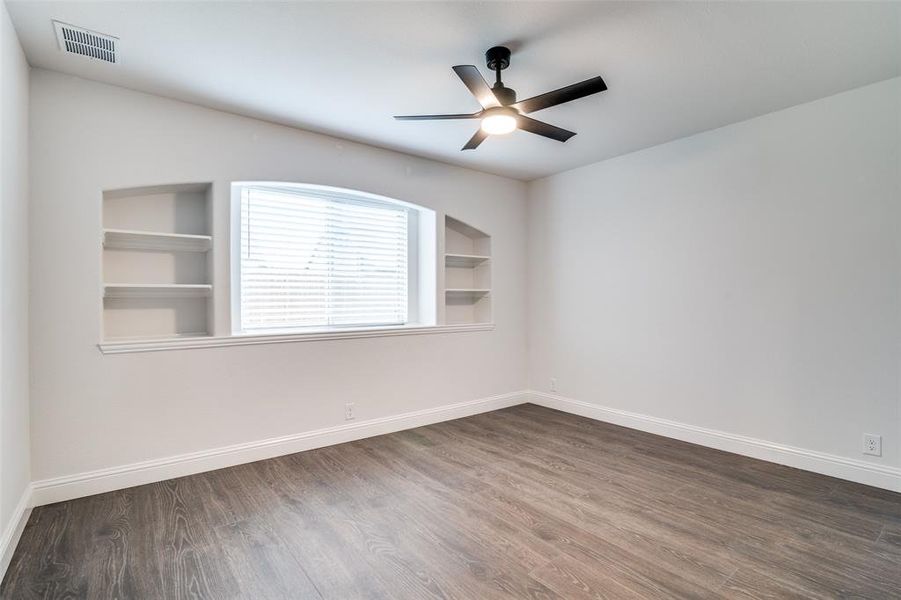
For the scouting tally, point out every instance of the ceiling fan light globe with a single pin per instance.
(499, 124)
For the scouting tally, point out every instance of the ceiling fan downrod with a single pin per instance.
(497, 59)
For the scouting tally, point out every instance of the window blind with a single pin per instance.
(311, 261)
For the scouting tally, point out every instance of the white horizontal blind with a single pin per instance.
(313, 261)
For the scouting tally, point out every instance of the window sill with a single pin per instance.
(187, 343)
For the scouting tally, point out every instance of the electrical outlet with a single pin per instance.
(349, 411)
(553, 384)
(872, 444)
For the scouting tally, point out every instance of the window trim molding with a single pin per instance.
(188, 343)
(418, 315)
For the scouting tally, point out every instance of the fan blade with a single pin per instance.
(542, 128)
(435, 117)
(475, 140)
(565, 94)
(477, 85)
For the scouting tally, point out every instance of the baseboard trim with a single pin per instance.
(58, 489)
(880, 476)
(13, 530)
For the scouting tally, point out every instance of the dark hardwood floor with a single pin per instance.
(520, 503)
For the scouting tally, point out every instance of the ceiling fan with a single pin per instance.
(501, 113)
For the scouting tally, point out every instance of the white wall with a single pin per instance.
(746, 279)
(92, 411)
(14, 445)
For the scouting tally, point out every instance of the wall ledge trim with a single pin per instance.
(192, 342)
(13, 531)
(867, 473)
(58, 489)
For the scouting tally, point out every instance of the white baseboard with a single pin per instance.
(104, 480)
(880, 476)
(58, 489)
(13, 530)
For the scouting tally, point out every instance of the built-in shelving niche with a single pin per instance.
(467, 273)
(157, 262)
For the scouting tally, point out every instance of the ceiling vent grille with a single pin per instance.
(78, 40)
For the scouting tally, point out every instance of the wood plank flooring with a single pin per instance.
(524, 502)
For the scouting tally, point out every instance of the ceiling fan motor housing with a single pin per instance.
(498, 57)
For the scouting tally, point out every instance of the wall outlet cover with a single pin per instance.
(872, 444)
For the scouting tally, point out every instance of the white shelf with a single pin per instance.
(156, 290)
(472, 293)
(464, 260)
(467, 274)
(128, 239)
(140, 246)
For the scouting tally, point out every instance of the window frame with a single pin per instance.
(421, 250)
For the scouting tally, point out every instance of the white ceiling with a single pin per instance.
(343, 68)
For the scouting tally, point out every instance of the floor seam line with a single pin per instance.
(726, 579)
(881, 531)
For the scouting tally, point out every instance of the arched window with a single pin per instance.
(314, 258)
